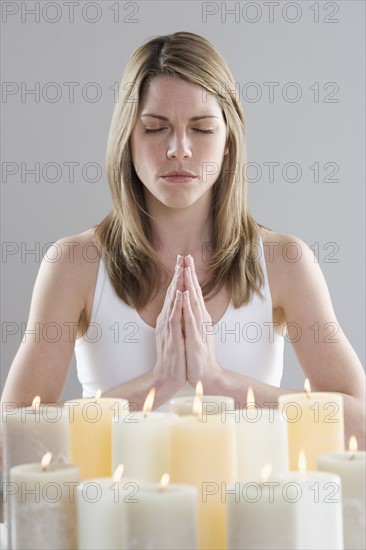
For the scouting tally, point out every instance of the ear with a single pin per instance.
(226, 150)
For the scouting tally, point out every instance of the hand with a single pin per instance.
(170, 366)
(200, 346)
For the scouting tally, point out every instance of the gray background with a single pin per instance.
(324, 47)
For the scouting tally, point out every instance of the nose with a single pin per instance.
(179, 147)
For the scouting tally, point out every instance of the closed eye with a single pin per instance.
(150, 131)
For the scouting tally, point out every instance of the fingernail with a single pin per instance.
(179, 259)
(190, 259)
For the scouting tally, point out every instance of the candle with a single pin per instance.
(28, 433)
(43, 507)
(102, 511)
(350, 466)
(91, 433)
(315, 423)
(203, 453)
(295, 510)
(261, 439)
(165, 517)
(140, 441)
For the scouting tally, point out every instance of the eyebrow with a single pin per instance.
(160, 117)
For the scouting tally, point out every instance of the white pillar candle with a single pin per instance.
(43, 509)
(91, 433)
(140, 441)
(261, 439)
(297, 511)
(28, 433)
(211, 404)
(315, 424)
(351, 467)
(163, 518)
(102, 512)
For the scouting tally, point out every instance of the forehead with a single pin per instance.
(175, 95)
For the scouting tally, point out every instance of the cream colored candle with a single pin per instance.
(203, 453)
(91, 433)
(43, 509)
(28, 433)
(291, 511)
(140, 441)
(102, 511)
(211, 404)
(315, 423)
(261, 439)
(165, 517)
(351, 467)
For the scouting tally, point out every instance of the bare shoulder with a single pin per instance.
(75, 255)
(70, 265)
(289, 262)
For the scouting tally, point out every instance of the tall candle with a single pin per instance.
(43, 508)
(294, 511)
(203, 453)
(91, 433)
(28, 433)
(261, 439)
(140, 442)
(163, 518)
(351, 467)
(315, 423)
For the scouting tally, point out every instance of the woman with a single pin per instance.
(178, 283)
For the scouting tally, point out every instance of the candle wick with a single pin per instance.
(352, 457)
(308, 395)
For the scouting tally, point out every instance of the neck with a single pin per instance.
(182, 231)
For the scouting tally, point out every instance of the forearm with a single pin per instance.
(236, 386)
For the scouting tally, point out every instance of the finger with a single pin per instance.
(175, 317)
(197, 287)
(193, 295)
(190, 324)
(196, 284)
(170, 294)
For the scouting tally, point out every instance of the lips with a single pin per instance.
(179, 176)
(179, 173)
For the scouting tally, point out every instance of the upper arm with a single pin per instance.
(41, 364)
(325, 355)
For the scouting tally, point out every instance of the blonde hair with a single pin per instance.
(131, 261)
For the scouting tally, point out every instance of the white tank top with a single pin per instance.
(119, 346)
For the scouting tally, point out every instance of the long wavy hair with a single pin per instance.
(124, 235)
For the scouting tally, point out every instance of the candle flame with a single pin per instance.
(46, 460)
(118, 473)
(302, 464)
(149, 401)
(165, 478)
(265, 473)
(197, 406)
(197, 401)
(353, 446)
(98, 394)
(250, 398)
(307, 387)
(199, 389)
(36, 402)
